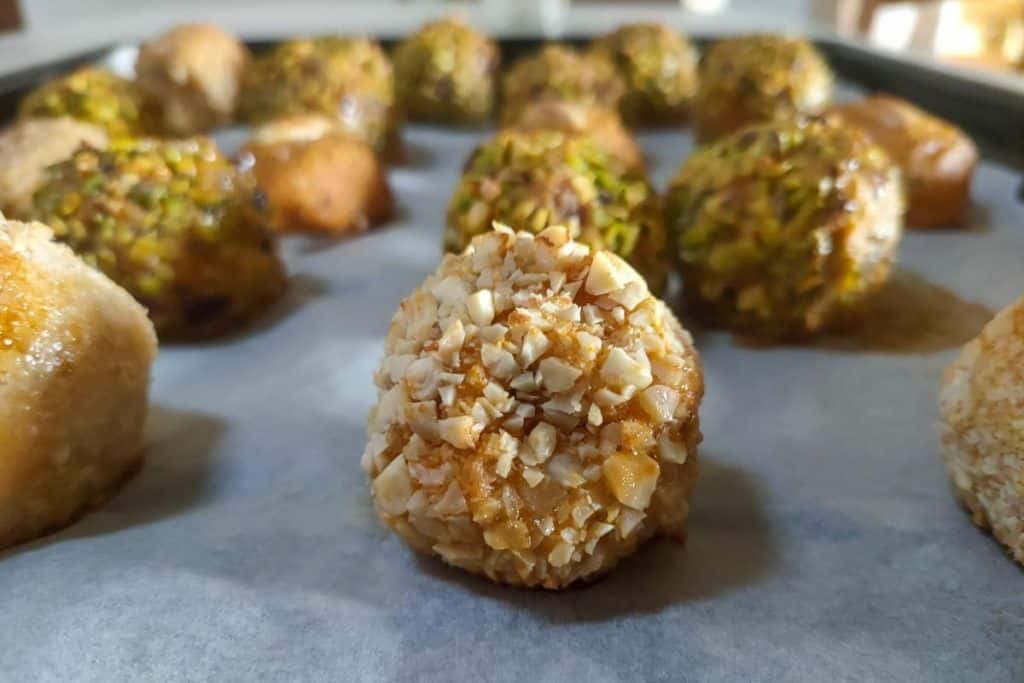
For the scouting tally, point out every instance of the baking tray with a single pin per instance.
(824, 543)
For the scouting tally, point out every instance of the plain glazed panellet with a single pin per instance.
(318, 178)
(75, 357)
(194, 72)
(937, 158)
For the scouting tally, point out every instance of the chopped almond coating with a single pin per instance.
(537, 414)
(982, 407)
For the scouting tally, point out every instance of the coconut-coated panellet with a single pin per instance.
(95, 96)
(317, 178)
(446, 72)
(559, 72)
(534, 179)
(602, 125)
(660, 69)
(75, 356)
(194, 73)
(537, 412)
(758, 78)
(350, 78)
(982, 406)
(780, 227)
(174, 223)
(29, 146)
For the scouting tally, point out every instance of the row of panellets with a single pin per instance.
(157, 216)
(810, 195)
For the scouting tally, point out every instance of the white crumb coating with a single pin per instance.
(537, 412)
(75, 357)
(982, 406)
(194, 72)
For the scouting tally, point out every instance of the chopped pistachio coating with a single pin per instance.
(780, 226)
(759, 78)
(446, 73)
(96, 96)
(535, 179)
(174, 223)
(660, 69)
(558, 72)
(350, 78)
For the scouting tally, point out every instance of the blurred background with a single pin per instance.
(976, 34)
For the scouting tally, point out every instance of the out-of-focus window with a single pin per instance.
(987, 33)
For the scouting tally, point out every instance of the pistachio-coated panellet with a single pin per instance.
(175, 224)
(756, 79)
(779, 226)
(446, 73)
(559, 72)
(660, 69)
(535, 179)
(96, 96)
(350, 78)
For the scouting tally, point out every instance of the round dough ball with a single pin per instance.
(175, 224)
(350, 78)
(542, 178)
(779, 227)
(194, 71)
(602, 125)
(74, 381)
(758, 78)
(446, 72)
(982, 406)
(95, 96)
(29, 146)
(936, 157)
(660, 69)
(559, 72)
(537, 412)
(317, 178)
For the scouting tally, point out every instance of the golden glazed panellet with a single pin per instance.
(194, 73)
(95, 96)
(982, 407)
(174, 223)
(74, 382)
(602, 125)
(936, 157)
(756, 79)
(317, 178)
(660, 69)
(780, 227)
(27, 147)
(447, 73)
(559, 72)
(537, 412)
(541, 178)
(350, 78)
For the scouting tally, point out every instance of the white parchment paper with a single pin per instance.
(824, 543)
